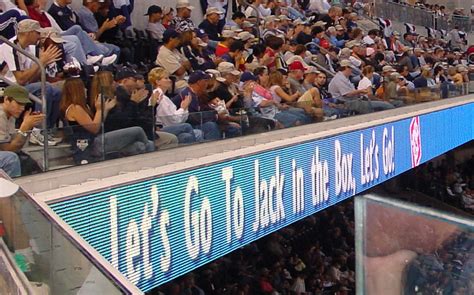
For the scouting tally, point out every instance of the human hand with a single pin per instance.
(31, 120)
(49, 55)
(109, 24)
(139, 95)
(110, 104)
(120, 19)
(186, 102)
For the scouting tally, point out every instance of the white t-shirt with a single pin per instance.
(170, 60)
(364, 84)
(15, 61)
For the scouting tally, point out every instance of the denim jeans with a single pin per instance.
(210, 130)
(10, 163)
(183, 131)
(90, 47)
(288, 119)
(73, 48)
(53, 97)
(129, 141)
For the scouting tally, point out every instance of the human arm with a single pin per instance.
(46, 57)
(78, 114)
(285, 96)
(29, 121)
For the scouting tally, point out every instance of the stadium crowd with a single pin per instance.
(448, 182)
(275, 64)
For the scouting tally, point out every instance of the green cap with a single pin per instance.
(18, 93)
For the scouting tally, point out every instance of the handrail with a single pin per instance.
(328, 72)
(257, 27)
(43, 94)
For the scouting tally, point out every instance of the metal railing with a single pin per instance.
(421, 17)
(41, 100)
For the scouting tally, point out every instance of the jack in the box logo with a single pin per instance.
(415, 141)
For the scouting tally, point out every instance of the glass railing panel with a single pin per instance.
(78, 145)
(46, 255)
(403, 248)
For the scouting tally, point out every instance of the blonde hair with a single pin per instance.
(156, 74)
(102, 83)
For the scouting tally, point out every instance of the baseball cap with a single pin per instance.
(339, 28)
(197, 76)
(296, 65)
(211, 10)
(227, 67)
(153, 9)
(386, 69)
(184, 4)
(200, 33)
(244, 36)
(247, 76)
(17, 93)
(320, 23)
(216, 74)
(29, 25)
(52, 34)
(311, 70)
(125, 73)
(346, 63)
(167, 10)
(228, 34)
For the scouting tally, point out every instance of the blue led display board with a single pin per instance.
(159, 228)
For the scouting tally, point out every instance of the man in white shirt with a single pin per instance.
(20, 69)
(170, 59)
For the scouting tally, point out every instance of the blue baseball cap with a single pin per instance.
(247, 76)
(198, 76)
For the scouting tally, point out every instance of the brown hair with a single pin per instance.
(367, 70)
(276, 78)
(74, 94)
(102, 82)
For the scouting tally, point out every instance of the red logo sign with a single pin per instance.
(415, 141)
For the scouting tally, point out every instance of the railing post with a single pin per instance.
(43, 95)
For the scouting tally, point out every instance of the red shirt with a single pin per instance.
(221, 49)
(39, 16)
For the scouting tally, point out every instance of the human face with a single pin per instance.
(164, 83)
(213, 18)
(321, 79)
(13, 108)
(129, 83)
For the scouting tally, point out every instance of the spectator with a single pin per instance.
(168, 117)
(210, 24)
(207, 120)
(133, 109)
(15, 98)
(23, 71)
(155, 27)
(87, 147)
(170, 59)
(182, 22)
(67, 19)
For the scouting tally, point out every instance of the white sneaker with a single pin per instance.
(109, 60)
(93, 59)
(329, 118)
(37, 138)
